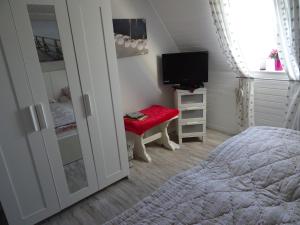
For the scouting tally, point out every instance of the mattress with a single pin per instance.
(252, 178)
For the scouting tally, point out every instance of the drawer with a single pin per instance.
(193, 113)
(194, 99)
(191, 121)
(192, 106)
(193, 128)
(190, 135)
(197, 91)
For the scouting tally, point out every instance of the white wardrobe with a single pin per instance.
(61, 128)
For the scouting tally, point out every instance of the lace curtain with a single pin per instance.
(287, 13)
(245, 103)
(220, 10)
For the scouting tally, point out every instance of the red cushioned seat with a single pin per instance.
(157, 114)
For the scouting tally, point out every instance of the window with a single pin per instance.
(254, 23)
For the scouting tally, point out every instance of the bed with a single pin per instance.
(63, 116)
(252, 178)
(66, 131)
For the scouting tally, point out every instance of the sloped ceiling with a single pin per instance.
(190, 24)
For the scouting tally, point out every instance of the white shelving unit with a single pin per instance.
(192, 116)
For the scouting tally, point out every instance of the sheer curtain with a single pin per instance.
(221, 13)
(287, 14)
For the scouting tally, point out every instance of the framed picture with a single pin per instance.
(130, 37)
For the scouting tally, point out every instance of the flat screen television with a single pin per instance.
(189, 69)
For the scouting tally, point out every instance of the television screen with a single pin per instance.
(185, 68)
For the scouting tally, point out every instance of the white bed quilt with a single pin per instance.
(252, 178)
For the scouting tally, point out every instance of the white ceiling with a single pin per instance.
(190, 24)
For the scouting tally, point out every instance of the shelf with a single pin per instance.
(192, 106)
(193, 114)
(186, 92)
(192, 119)
(195, 128)
(192, 99)
(189, 135)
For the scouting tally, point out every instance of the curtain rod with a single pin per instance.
(259, 78)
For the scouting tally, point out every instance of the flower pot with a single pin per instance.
(278, 65)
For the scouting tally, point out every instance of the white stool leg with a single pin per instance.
(179, 141)
(140, 150)
(165, 137)
(203, 139)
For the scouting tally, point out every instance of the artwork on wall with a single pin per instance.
(130, 37)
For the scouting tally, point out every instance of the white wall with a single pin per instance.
(221, 105)
(140, 76)
(55, 81)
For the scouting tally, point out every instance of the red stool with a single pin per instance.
(157, 116)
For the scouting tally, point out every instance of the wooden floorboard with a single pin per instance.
(144, 179)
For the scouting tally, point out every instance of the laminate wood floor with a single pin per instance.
(144, 179)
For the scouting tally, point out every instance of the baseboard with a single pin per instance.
(222, 129)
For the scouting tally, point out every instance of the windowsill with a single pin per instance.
(270, 75)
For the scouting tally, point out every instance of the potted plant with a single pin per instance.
(274, 55)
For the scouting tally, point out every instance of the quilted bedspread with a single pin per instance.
(252, 178)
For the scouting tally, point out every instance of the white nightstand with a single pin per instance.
(192, 116)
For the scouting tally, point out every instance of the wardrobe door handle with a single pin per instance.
(87, 104)
(41, 116)
(34, 119)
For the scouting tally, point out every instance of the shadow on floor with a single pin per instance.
(3, 220)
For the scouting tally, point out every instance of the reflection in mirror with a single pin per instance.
(50, 53)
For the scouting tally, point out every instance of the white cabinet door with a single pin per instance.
(27, 190)
(92, 29)
(45, 38)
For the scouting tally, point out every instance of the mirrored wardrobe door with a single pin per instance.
(48, 50)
